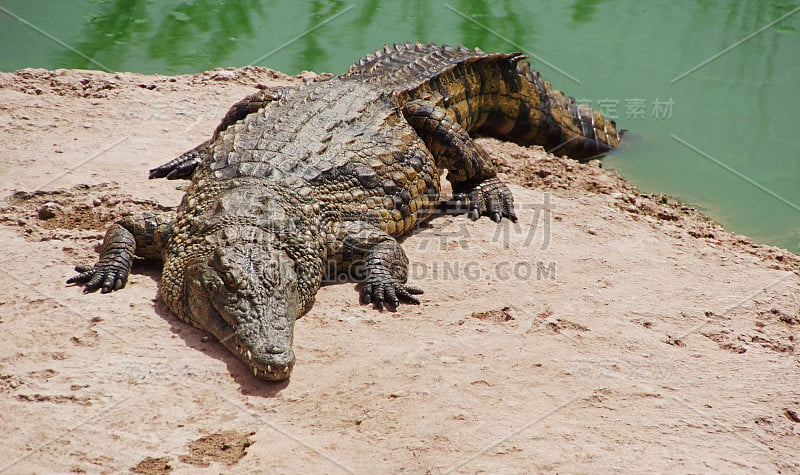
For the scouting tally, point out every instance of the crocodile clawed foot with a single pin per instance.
(388, 294)
(490, 198)
(104, 277)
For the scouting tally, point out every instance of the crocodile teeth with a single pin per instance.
(269, 368)
(249, 355)
(255, 371)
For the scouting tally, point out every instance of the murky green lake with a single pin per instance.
(708, 89)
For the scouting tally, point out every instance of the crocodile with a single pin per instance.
(298, 184)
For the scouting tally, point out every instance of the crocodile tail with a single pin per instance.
(545, 116)
(405, 59)
(495, 94)
(403, 67)
(501, 96)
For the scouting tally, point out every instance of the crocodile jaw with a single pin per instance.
(272, 364)
(269, 355)
(249, 301)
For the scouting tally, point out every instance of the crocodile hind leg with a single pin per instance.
(370, 253)
(469, 168)
(183, 166)
(144, 236)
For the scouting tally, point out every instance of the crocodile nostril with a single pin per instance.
(275, 350)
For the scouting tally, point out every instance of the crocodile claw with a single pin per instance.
(389, 294)
(104, 277)
(490, 198)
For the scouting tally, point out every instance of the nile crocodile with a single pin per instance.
(299, 183)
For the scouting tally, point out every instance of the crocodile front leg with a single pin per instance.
(144, 236)
(376, 256)
(183, 166)
(469, 168)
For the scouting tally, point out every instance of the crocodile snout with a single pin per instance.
(273, 363)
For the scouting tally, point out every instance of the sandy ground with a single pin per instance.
(608, 331)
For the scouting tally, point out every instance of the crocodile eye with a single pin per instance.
(233, 278)
(230, 273)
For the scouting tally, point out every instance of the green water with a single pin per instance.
(708, 89)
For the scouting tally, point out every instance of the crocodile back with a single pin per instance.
(341, 143)
(403, 67)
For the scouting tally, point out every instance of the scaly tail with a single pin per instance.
(532, 112)
(494, 94)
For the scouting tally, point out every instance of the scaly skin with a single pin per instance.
(297, 183)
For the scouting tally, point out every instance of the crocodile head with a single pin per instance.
(247, 296)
